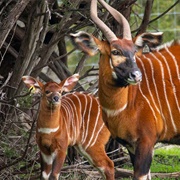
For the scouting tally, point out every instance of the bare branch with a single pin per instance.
(146, 17)
(164, 12)
(10, 20)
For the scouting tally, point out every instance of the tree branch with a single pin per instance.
(11, 19)
(146, 18)
(164, 12)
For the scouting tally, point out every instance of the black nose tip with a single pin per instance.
(56, 98)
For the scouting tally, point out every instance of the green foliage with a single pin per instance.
(7, 146)
(8, 150)
(166, 178)
(166, 160)
(25, 101)
(168, 23)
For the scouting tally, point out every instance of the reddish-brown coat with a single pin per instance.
(77, 120)
(141, 115)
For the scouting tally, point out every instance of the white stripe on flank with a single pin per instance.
(156, 91)
(165, 94)
(147, 82)
(80, 105)
(66, 115)
(95, 127)
(175, 62)
(83, 124)
(71, 119)
(47, 130)
(88, 120)
(114, 112)
(170, 75)
(75, 126)
(97, 134)
(154, 114)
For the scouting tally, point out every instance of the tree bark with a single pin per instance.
(28, 53)
(146, 17)
(11, 19)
